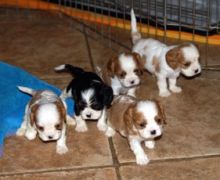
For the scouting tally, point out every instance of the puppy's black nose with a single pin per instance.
(88, 115)
(196, 71)
(50, 137)
(153, 132)
(132, 82)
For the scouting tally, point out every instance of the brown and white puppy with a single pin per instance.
(165, 62)
(45, 115)
(138, 121)
(123, 73)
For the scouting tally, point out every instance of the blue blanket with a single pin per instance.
(13, 102)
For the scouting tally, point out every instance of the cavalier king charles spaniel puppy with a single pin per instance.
(138, 121)
(123, 73)
(45, 115)
(165, 62)
(91, 95)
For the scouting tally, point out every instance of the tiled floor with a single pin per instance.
(189, 148)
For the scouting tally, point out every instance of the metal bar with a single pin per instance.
(148, 17)
(156, 21)
(180, 14)
(193, 18)
(207, 32)
(165, 22)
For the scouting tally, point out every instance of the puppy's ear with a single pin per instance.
(62, 110)
(161, 112)
(174, 58)
(33, 112)
(128, 119)
(140, 62)
(107, 94)
(111, 66)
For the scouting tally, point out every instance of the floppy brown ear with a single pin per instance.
(139, 60)
(111, 66)
(174, 58)
(33, 114)
(161, 111)
(128, 119)
(62, 110)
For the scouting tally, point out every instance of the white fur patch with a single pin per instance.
(87, 95)
(48, 117)
(149, 111)
(128, 65)
(88, 112)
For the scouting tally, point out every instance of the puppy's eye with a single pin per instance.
(41, 128)
(58, 126)
(142, 125)
(96, 106)
(81, 104)
(122, 75)
(138, 72)
(187, 64)
(158, 120)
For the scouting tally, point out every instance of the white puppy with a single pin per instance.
(166, 62)
(46, 116)
(138, 121)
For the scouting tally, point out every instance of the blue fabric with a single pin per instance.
(13, 101)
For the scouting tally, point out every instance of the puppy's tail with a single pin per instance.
(75, 71)
(135, 34)
(26, 90)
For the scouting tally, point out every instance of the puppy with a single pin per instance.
(123, 73)
(46, 116)
(91, 95)
(166, 62)
(138, 121)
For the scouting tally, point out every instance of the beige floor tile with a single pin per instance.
(197, 169)
(40, 44)
(85, 150)
(86, 174)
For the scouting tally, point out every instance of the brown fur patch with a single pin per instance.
(156, 64)
(175, 58)
(161, 117)
(129, 119)
(113, 66)
(139, 62)
(117, 111)
(62, 112)
(33, 114)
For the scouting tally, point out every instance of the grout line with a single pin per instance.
(174, 159)
(114, 158)
(116, 164)
(56, 170)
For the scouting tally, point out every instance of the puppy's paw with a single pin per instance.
(62, 149)
(142, 159)
(176, 89)
(150, 144)
(110, 132)
(81, 128)
(30, 135)
(70, 121)
(21, 132)
(102, 126)
(164, 93)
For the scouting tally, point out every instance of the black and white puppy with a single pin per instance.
(91, 95)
